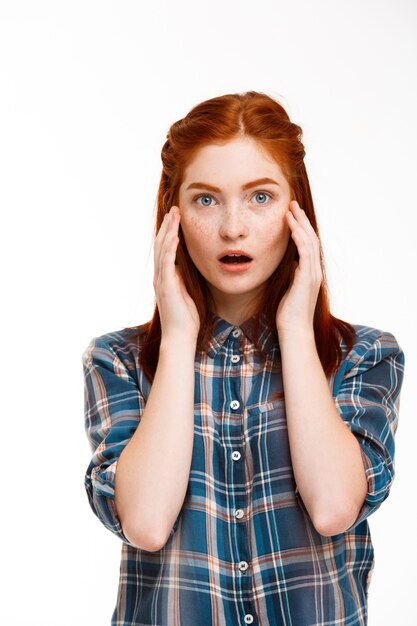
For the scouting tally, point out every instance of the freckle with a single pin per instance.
(199, 227)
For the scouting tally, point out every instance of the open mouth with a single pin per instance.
(235, 259)
(234, 264)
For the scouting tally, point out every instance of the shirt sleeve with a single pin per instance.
(367, 396)
(113, 406)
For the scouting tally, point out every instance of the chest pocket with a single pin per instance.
(268, 454)
(263, 407)
(265, 434)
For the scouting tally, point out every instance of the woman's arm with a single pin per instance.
(153, 469)
(342, 448)
(326, 456)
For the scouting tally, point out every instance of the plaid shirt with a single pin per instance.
(243, 549)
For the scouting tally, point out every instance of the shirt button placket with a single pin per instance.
(238, 480)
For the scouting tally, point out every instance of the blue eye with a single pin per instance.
(262, 193)
(203, 195)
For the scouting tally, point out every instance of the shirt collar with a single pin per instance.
(222, 330)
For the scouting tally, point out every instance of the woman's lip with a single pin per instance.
(235, 267)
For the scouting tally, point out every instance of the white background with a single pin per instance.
(88, 92)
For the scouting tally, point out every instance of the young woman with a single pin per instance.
(242, 437)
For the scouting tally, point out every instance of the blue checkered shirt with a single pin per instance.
(243, 549)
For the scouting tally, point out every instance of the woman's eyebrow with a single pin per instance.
(253, 183)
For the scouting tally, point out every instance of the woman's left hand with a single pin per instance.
(296, 309)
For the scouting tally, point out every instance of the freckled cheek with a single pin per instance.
(275, 236)
(196, 234)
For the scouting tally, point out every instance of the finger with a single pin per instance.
(157, 248)
(307, 245)
(306, 239)
(159, 244)
(169, 248)
(315, 241)
(160, 234)
(301, 216)
(160, 239)
(298, 231)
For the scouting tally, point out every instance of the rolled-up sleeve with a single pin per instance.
(367, 396)
(113, 405)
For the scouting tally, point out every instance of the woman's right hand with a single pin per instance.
(177, 310)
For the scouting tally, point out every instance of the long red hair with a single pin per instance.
(219, 120)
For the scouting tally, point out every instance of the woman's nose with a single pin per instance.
(233, 222)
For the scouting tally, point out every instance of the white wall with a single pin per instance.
(89, 90)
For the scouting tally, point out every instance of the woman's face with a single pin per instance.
(239, 214)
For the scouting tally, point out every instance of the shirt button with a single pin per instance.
(236, 332)
(235, 358)
(235, 404)
(243, 566)
(248, 618)
(236, 455)
(239, 513)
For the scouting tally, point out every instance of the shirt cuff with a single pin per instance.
(100, 492)
(379, 478)
(379, 482)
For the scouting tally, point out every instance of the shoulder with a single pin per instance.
(371, 340)
(123, 345)
(371, 346)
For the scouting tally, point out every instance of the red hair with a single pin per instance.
(220, 120)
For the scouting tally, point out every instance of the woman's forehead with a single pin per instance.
(244, 158)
